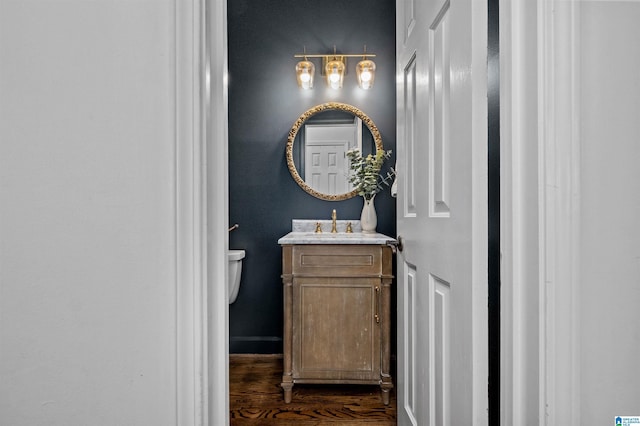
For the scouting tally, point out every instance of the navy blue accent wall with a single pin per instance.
(264, 102)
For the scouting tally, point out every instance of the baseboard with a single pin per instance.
(255, 345)
(255, 356)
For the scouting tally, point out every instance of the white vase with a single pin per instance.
(368, 219)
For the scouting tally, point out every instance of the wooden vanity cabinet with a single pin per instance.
(337, 315)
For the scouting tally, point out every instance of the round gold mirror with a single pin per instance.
(317, 147)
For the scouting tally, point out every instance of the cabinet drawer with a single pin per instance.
(337, 260)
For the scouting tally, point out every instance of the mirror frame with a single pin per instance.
(298, 125)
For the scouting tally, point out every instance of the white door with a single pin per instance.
(326, 166)
(442, 212)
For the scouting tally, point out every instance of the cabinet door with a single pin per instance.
(336, 333)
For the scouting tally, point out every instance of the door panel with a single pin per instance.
(443, 206)
(439, 69)
(325, 306)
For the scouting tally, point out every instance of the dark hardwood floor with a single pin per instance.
(256, 398)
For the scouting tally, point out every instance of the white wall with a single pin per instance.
(88, 216)
(609, 299)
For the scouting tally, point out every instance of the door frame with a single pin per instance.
(540, 211)
(529, 365)
(211, 172)
(213, 177)
(191, 355)
(530, 70)
(201, 199)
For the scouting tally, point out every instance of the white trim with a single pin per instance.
(216, 110)
(191, 283)
(201, 213)
(559, 75)
(540, 153)
(506, 219)
(519, 227)
(547, 386)
(521, 348)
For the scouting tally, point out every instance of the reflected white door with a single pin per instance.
(326, 168)
(442, 212)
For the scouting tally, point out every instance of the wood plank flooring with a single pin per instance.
(256, 398)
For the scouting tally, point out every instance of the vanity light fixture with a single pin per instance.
(305, 71)
(365, 71)
(334, 68)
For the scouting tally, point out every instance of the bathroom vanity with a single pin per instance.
(337, 299)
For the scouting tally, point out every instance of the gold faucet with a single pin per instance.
(349, 228)
(318, 228)
(334, 229)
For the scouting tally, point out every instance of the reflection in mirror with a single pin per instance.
(317, 147)
(320, 148)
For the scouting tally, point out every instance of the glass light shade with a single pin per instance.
(335, 73)
(304, 74)
(365, 72)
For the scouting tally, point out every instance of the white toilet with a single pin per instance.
(235, 272)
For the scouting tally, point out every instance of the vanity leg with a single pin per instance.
(385, 396)
(287, 281)
(386, 387)
(287, 391)
(386, 384)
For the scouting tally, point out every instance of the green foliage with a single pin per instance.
(365, 172)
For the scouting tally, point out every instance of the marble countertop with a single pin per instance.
(337, 238)
(303, 233)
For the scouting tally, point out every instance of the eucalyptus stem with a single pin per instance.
(365, 172)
